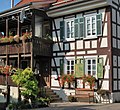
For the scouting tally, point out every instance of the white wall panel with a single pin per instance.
(105, 85)
(94, 44)
(87, 44)
(105, 30)
(80, 52)
(72, 46)
(104, 42)
(55, 47)
(57, 22)
(61, 54)
(70, 53)
(80, 44)
(14, 94)
(61, 46)
(67, 46)
(92, 52)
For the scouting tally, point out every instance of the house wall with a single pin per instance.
(115, 8)
(82, 48)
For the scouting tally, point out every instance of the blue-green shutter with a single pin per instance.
(81, 27)
(76, 28)
(100, 68)
(79, 68)
(61, 66)
(99, 24)
(62, 30)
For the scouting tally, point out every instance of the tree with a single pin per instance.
(28, 82)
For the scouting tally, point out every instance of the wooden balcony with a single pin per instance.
(37, 46)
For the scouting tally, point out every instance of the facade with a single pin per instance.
(86, 36)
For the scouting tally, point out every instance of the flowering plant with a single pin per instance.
(67, 78)
(90, 79)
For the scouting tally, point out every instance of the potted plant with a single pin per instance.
(67, 78)
(90, 80)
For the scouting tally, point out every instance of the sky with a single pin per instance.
(6, 4)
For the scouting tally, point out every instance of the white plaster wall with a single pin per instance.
(53, 81)
(92, 52)
(119, 74)
(72, 46)
(55, 47)
(118, 44)
(57, 22)
(105, 85)
(55, 37)
(79, 44)
(94, 44)
(118, 17)
(70, 53)
(103, 15)
(104, 42)
(13, 94)
(67, 46)
(61, 46)
(80, 52)
(87, 44)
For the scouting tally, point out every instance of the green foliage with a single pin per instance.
(72, 99)
(27, 80)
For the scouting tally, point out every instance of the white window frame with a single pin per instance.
(91, 28)
(70, 66)
(68, 38)
(91, 65)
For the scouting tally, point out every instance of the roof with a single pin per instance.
(43, 3)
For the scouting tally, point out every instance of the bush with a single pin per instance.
(72, 99)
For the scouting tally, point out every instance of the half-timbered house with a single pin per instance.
(86, 35)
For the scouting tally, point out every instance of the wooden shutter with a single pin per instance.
(100, 68)
(79, 68)
(76, 28)
(61, 66)
(81, 27)
(62, 31)
(99, 24)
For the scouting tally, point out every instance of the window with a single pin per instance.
(70, 67)
(91, 67)
(91, 26)
(69, 29)
(88, 26)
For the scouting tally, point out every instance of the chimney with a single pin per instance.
(12, 3)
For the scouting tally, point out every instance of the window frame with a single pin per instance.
(91, 66)
(90, 16)
(71, 71)
(71, 28)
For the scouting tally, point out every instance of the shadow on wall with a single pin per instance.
(61, 93)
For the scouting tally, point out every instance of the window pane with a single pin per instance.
(89, 61)
(72, 62)
(94, 61)
(68, 68)
(94, 67)
(68, 62)
(72, 67)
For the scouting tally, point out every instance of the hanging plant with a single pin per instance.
(90, 80)
(67, 78)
